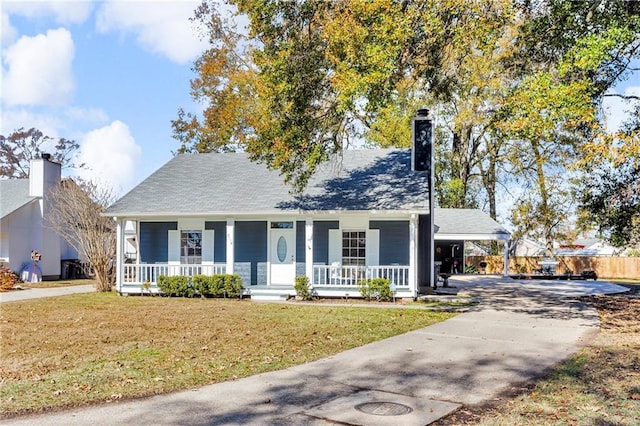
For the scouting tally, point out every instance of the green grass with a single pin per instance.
(92, 348)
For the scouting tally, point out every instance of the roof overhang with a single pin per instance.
(266, 213)
(473, 237)
(31, 200)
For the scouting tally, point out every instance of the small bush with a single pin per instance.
(376, 288)
(470, 269)
(202, 285)
(232, 285)
(302, 288)
(177, 285)
(8, 279)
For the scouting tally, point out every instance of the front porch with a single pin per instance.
(327, 280)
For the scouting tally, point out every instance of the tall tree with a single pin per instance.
(518, 84)
(23, 145)
(610, 197)
(76, 215)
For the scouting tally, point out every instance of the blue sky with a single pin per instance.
(111, 75)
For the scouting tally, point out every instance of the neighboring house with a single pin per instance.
(364, 215)
(23, 221)
(586, 247)
(529, 247)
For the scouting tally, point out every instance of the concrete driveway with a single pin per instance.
(519, 331)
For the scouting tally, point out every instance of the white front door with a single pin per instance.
(283, 261)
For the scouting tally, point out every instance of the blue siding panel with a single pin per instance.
(321, 240)
(154, 241)
(394, 241)
(300, 241)
(220, 243)
(251, 250)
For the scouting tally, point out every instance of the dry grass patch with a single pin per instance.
(90, 348)
(600, 385)
(58, 283)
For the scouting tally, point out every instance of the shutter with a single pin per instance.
(335, 246)
(373, 247)
(207, 246)
(174, 247)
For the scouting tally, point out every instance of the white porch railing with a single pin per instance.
(150, 272)
(349, 276)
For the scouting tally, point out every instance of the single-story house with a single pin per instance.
(364, 214)
(586, 247)
(23, 223)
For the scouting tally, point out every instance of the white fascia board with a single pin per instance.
(265, 213)
(472, 237)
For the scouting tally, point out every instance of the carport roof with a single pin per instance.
(467, 224)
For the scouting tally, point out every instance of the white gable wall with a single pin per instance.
(20, 235)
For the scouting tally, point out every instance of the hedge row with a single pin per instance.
(220, 285)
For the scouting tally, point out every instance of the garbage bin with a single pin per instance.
(64, 269)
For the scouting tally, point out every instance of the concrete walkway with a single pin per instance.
(520, 330)
(38, 293)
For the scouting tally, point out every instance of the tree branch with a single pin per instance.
(618, 95)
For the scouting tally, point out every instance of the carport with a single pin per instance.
(453, 227)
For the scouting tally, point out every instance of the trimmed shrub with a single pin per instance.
(376, 288)
(302, 288)
(202, 285)
(219, 285)
(232, 285)
(177, 285)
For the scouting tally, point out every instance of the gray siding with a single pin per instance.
(394, 241)
(250, 251)
(321, 240)
(220, 243)
(154, 241)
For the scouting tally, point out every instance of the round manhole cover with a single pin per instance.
(384, 408)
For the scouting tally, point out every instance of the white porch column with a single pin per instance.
(308, 249)
(231, 226)
(506, 258)
(413, 255)
(119, 253)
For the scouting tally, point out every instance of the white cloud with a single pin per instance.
(616, 110)
(160, 27)
(63, 12)
(9, 33)
(111, 155)
(69, 123)
(39, 69)
(87, 115)
(14, 118)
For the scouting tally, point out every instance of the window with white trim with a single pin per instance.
(191, 247)
(354, 248)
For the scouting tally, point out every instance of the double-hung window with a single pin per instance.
(354, 252)
(191, 247)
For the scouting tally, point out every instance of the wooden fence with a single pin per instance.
(605, 267)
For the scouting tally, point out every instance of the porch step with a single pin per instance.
(271, 292)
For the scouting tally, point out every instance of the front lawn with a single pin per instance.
(91, 348)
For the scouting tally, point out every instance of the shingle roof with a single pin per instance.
(229, 183)
(14, 193)
(466, 222)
